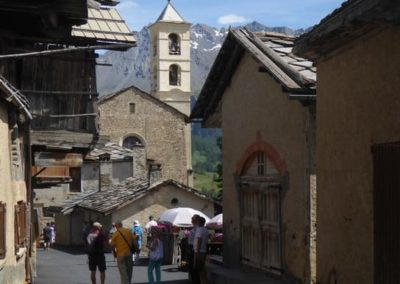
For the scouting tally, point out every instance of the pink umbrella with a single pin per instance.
(216, 222)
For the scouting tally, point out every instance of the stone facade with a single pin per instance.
(165, 54)
(154, 202)
(160, 127)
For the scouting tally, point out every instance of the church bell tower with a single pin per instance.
(170, 67)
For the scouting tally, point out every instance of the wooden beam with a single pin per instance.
(65, 50)
(58, 159)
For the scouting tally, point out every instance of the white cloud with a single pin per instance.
(231, 19)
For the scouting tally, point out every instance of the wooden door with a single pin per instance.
(261, 227)
(75, 185)
(386, 166)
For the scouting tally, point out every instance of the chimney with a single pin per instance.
(139, 162)
(154, 173)
(105, 172)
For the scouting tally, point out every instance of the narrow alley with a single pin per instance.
(69, 267)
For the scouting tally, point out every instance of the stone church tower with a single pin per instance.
(170, 67)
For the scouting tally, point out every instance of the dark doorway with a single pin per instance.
(75, 185)
(386, 167)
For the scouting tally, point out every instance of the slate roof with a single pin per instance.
(273, 51)
(115, 151)
(353, 19)
(13, 95)
(104, 25)
(118, 196)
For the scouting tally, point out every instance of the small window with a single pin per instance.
(131, 107)
(20, 225)
(174, 201)
(261, 164)
(174, 44)
(131, 141)
(2, 230)
(174, 75)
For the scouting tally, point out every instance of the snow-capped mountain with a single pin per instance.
(132, 67)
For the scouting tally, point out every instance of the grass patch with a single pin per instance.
(205, 183)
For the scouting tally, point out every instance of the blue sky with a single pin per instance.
(222, 13)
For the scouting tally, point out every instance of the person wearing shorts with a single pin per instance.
(96, 241)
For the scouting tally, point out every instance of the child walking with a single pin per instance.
(156, 255)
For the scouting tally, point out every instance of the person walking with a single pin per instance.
(200, 251)
(47, 234)
(122, 241)
(137, 232)
(111, 232)
(53, 234)
(156, 249)
(96, 242)
(195, 220)
(150, 224)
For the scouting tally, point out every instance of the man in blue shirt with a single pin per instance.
(137, 231)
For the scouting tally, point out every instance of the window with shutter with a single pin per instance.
(2, 230)
(20, 225)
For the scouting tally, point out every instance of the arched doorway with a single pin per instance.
(261, 173)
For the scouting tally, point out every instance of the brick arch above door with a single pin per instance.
(263, 146)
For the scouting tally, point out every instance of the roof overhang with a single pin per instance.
(15, 97)
(208, 106)
(355, 18)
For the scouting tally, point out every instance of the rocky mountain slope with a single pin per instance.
(132, 67)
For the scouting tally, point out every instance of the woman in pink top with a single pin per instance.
(156, 255)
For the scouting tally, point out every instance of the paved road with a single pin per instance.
(60, 266)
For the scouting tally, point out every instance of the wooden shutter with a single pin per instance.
(2, 230)
(16, 227)
(20, 224)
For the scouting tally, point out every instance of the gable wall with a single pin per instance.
(253, 103)
(161, 129)
(157, 202)
(357, 106)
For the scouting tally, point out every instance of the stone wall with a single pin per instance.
(159, 126)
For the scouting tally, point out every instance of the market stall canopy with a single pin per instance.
(181, 216)
(216, 222)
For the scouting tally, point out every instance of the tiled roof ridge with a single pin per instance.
(275, 34)
(282, 64)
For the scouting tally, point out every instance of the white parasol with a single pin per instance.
(215, 222)
(181, 216)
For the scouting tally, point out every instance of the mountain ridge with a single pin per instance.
(132, 67)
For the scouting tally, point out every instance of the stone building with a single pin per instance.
(356, 51)
(263, 98)
(133, 199)
(139, 121)
(156, 121)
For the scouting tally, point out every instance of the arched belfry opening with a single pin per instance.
(174, 75)
(174, 44)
